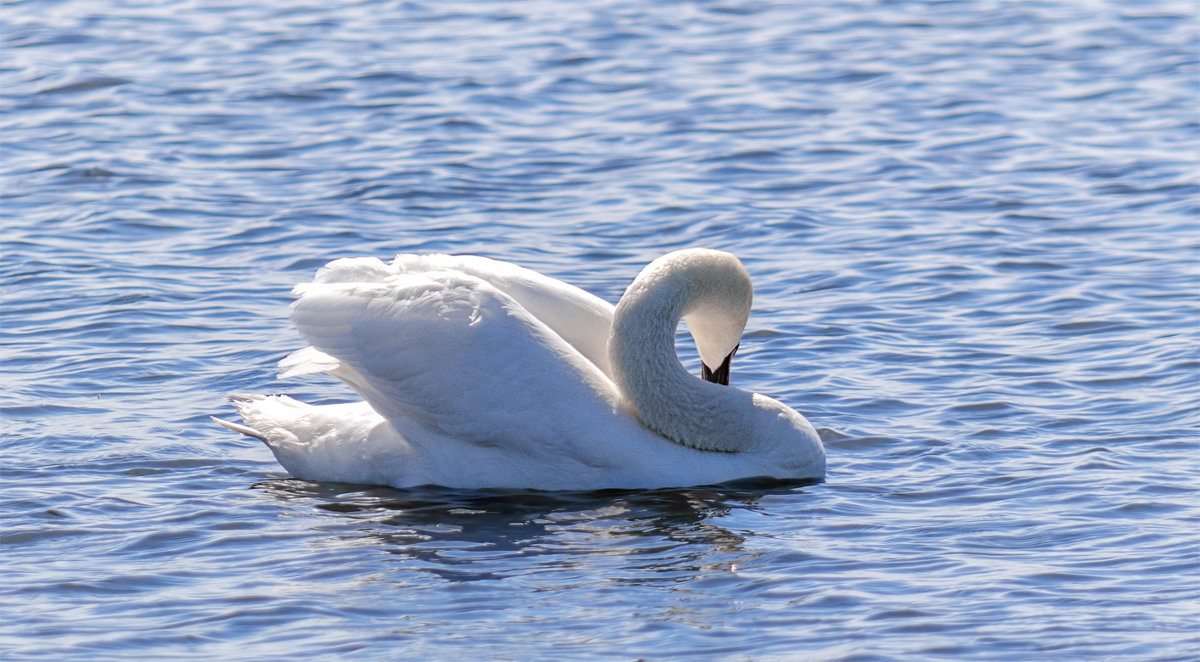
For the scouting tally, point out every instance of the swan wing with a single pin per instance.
(450, 352)
(581, 319)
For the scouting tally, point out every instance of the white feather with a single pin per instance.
(477, 373)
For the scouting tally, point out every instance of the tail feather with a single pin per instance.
(262, 416)
(237, 427)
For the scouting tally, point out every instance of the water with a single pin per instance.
(973, 228)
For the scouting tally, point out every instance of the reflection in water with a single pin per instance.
(666, 535)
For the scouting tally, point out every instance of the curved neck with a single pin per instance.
(711, 290)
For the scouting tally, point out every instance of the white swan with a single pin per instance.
(477, 373)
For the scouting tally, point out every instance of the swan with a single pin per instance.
(476, 373)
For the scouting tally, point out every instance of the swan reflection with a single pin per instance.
(666, 535)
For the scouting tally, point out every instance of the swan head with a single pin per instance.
(709, 290)
(717, 320)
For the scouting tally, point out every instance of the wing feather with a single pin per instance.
(452, 352)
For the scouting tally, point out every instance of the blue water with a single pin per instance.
(974, 229)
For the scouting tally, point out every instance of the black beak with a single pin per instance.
(721, 374)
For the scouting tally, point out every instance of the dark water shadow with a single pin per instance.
(466, 535)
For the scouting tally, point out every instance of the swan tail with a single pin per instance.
(337, 442)
(266, 418)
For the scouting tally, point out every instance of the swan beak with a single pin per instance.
(721, 374)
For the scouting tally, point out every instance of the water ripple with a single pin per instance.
(973, 231)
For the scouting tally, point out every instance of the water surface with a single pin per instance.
(973, 228)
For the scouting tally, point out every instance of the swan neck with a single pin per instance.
(711, 291)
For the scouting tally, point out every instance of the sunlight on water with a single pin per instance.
(973, 229)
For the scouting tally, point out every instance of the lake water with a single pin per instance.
(974, 229)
